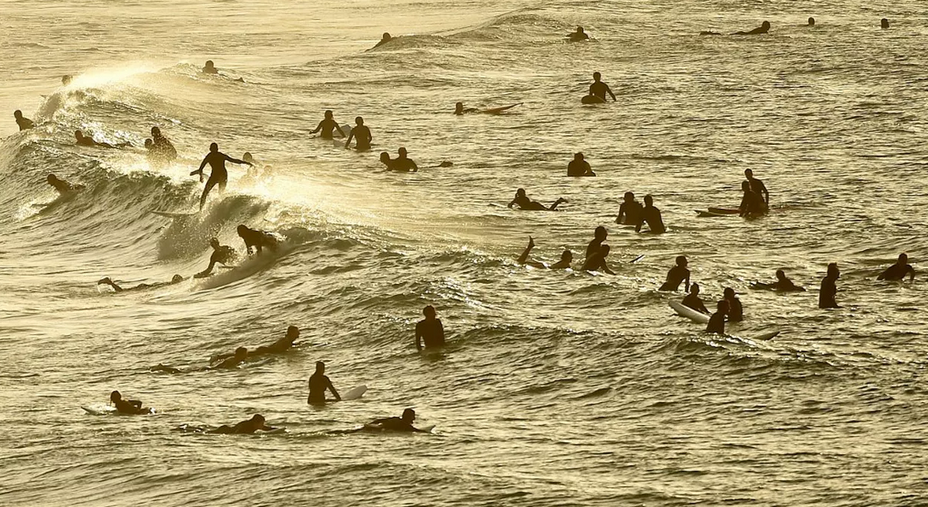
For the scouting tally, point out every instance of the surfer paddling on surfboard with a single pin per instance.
(62, 186)
(218, 176)
(430, 334)
(524, 203)
(278, 347)
(127, 406)
(245, 427)
(459, 109)
(396, 423)
(783, 284)
(107, 281)
(897, 271)
(318, 384)
(564, 263)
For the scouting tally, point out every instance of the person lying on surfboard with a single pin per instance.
(127, 406)
(783, 284)
(897, 271)
(692, 300)
(385, 39)
(327, 125)
(62, 186)
(318, 384)
(107, 281)
(716, 322)
(678, 274)
(630, 210)
(652, 216)
(245, 427)
(597, 261)
(278, 347)
(524, 203)
(430, 333)
(600, 89)
(459, 109)
(564, 263)
(735, 310)
(239, 357)
(257, 240)
(361, 134)
(395, 423)
(762, 29)
(222, 254)
(82, 140)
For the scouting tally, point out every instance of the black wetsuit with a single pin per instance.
(317, 386)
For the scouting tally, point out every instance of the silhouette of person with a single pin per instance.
(631, 210)
(327, 125)
(716, 324)
(762, 29)
(897, 271)
(62, 186)
(811, 22)
(735, 310)
(599, 235)
(783, 284)
(600, 89)
(402, 162)
(429, 332)
(257, 240)
(579, 166)
(162, 148)
(758, 187)
(829, 289)
(107, 281)
(652, 216)
(278, 347)
(578, 36)
(127, 406)
(318, 383)
(692, 300)
(210, 68)
(222, 254)
(245, 427)
(396, 423)
(384, 39)
(23, 122)
(597, 261)
(678, 274)
(218, 175)
(564, 263)
(87, 141)
(884, 23)
(459, 109)
(751, 203)
(524, 203)
(361, 134)
(239, 357)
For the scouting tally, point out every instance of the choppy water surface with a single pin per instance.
(559, 388)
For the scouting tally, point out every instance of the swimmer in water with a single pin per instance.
(678, 274)
(579, 166)
(257, 240)
(564, 263)
(751, 203)
(631, 210)
(210, 68)
(599, 235)
(811, 22)
(897, 271)
(762, 29)
(692, 300)
(361, 134)
(402, 162)
(600, 89)
(142, 286)
(222, 254)
(652, 216)
(23, 122)
(62, 186)
(460, 110)
(758, 187)
(218, 175)
(127, 406)
(783, 284)
(524, 203)
(83, 140)
(245, 427)
(318, 384)
(327, 126)
(239, 357)
(578, 36)
(829, 288)
(735, 310)
(597, 261)
(430, 334)
(384, 39)
(396, 423)
(716, 323)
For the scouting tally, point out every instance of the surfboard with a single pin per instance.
(636, 259)
(708, 214)
(591, 99)
(355, 393)
(99, 410)
(724, 211)
(498, 110)
(766, 336)
(689, 313)
(173, 215)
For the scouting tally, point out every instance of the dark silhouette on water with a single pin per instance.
(318, 383)
(222, 254)
(897, 271)
(735, 310)
(327, 126)
(524, 203)
(161, 149)
(459, 109)
(127, 406)
(245, 427)
(578, 36)
(811, 22)
(597, 261)
(86, 141)
(630, 210)
(257, 240)
(677, 275)
(716, 324)
(564, 263)
(210, 68)
(600, 89)
(218, 174)
(62, 186)
(384, 39)
(239, 357)
(23, 122)
(829, 289)
(278, 347)
(361, 134)
(395, 423)
(430, 334)
(884, 23)
(599, 235)
(751, 204)
(692, 300)
(579, 166)
(652, 216)
(758, 187)
(783, 284)
(762, 29)
(142, 286)
(401, 163)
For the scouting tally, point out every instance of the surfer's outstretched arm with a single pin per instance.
(528, 249)
(350, 137)
(334, 392)
(318, 127)
(609, 90)
(237, 161)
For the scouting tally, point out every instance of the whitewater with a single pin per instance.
(557, 387)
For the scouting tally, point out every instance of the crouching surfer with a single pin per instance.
(222, 254)
(257, 240)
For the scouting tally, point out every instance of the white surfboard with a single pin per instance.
(99, 410)
(355, 393)
(689, 313)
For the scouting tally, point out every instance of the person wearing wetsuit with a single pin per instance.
(758, 187)
(652, 216)
(222, 254)
(762, 29)
(280, 346)
(127, 406)
(829, 288)
(402, 162)
(524, 203)
(599, 235)
(107, 281)
(257, 240)
(361, 134)
(62, 186)
(161, 148)
(716, 322)
(564, 263)
(597, 261)
(218, 174)
(735, 310)
(245, 427)
(751, 203)
(430, 333)
(783, 284)
(23, 122)
(630, 209)
(579, 166)
(884, 23)
(811, 22)
(600, 89)
(692, 300)
(678, 274)
(578, 36)
(318, 383)
(83, 140)
(396, 423)
(327, 126)
(897, 271)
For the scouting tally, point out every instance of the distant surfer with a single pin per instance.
(218, 174)
(222, 254)
(811, 22)
(245, 427)
(716, 323)
(383, 40)
(630, 210)
(403, 423)
(361, 134)
(257, 240)
(752, 205)
(162, 148)
(62, 186)
(897, 271)
(459, 109)
(884, 23)
(23, 122)
(210, 68)
(652, 216)
(578, 36)
(278, 347)
(579, 166)
(524, 203)
(87, 141)
(564, 263)
(430, 333)
(597, 261)
(758, 187)
(127, 406)
(829, 288)
(783, 284)
(327, 126)
(318, 384)
(599, 235)
(677, 275)
(762, 29)
(142, 286)
(239, 357)
(600, 89)
(735, 310)
(692, 300)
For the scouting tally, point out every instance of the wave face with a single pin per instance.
(557, 387)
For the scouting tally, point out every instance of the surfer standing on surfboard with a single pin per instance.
(218, 176)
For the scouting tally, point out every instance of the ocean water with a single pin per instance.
(557, 388)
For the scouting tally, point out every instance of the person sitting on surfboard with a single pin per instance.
(127, 406)
(599, 235)
(600, 89)
(22, 122)
(829, 289)
(762, 29)
(758, 187)
(564, 263)
(361, 134)
(245, 427)
(735, 310)
(652, 216)
(327, 126)
(257, 240)
(62, 186)
(897, 271)
(693, 301)
(430, 333)
(107, 281)
(597, 261)
(751, 203)
(396, 423)
(222, 254)
(717, 320)
(578, 36)
(318, 383)
(579, 166)
(218, 176)
(524, 203)
(678, 274)
(630, 210)
(783, 284)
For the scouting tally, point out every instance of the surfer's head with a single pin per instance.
(729, 293)
(833, 270)
(597, 76)
(884, 23)
(781, 275)
(213, 147)
(578, 156)
(402, 152)
(386, 36)
(248, 158)
(811, 21)
(520, 193)
(320, 367)
(458, 108)
(694, 289)
(409, 415)
(358, 121)
(765, 25)
(648, 200)
(115, 396)
(258, 419)
(748, 173)
(567, 256)
(629, 197)
(242, 230)
(209, 64)
(328, 115)
(385, 157)
(600, 233)
(155, 132)
(149, 143)
(52, 179)
(177, 279)
(214, 243)
(19, 114)
(293, 333)
(903, 258)
(241, 352)
(66, 79)
(579, 29)
(429, 312)
(78, 135)
(681, 261)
